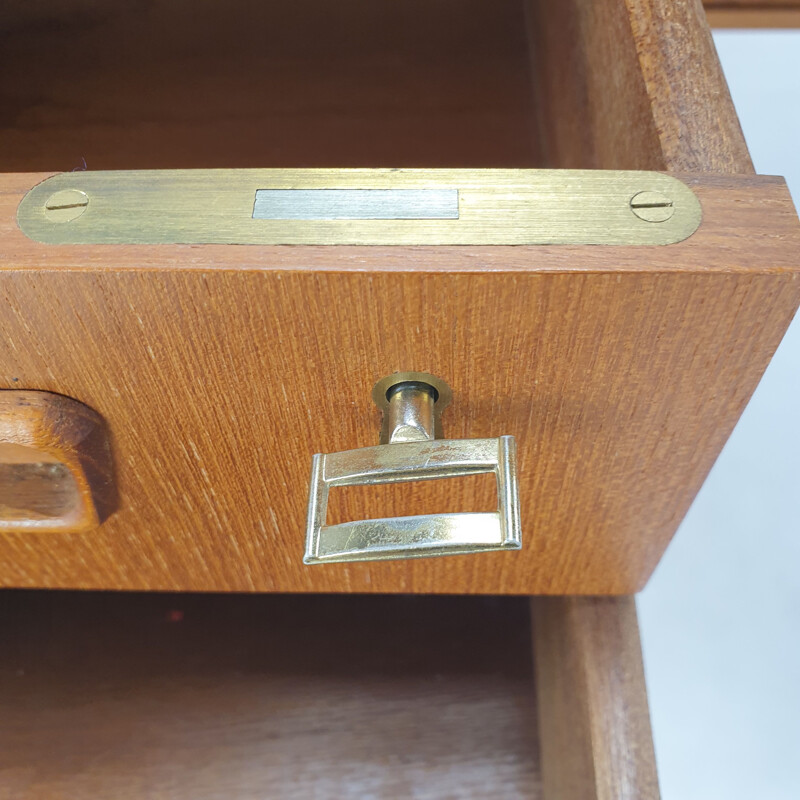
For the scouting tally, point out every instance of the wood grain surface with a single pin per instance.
(697, 126)
(632, 84)
(593, 111)
(709, 4)
(56, 468)
(209, 698)
(221, 370)
(754, 15)
(199, 83)
(594, 723)
(622, 84)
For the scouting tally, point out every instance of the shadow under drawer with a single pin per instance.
(200, 696)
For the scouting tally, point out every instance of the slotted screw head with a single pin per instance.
(652, 206)
(66, 205)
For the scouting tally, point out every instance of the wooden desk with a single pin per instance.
(621, 371)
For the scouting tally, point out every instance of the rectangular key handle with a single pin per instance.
(414, 536)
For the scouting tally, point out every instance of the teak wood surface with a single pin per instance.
(121, 696)
(753, 13)
(221, 370)
(594, 725)
(182, 697)
(301, 83)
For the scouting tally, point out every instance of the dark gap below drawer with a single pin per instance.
(197, 696)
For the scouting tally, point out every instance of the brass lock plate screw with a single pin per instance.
(66, 205)
(652, 206)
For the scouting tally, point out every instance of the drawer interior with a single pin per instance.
(199, 83)
(404, 83)
(188, 696)
(183, 696)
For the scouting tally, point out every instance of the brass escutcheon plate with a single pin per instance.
(362, 207)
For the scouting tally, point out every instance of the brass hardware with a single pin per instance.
(412, 404)
(65, 205)
(401, 417)
(652, 206)
(361, 207)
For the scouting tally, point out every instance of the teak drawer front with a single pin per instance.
(220, 371)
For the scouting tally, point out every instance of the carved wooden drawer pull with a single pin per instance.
(56, 472)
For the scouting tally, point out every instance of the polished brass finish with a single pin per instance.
(413, 454)
(652, 206)
(491, 206)
(65, 205)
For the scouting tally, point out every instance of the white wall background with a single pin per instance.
(720, 618)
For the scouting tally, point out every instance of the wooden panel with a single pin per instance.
(594, 721)
(594, 112)
(621, 372)
(712, 4)
(143, 696)
(153, 695)
(632, 85)
(692, 107)
(754, 15)
(199, 83)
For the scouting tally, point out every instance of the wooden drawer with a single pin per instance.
(170, 696)
(213, 372)
(221, 369)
